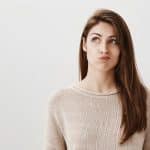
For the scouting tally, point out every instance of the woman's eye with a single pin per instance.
(113, 41)
(95, 39)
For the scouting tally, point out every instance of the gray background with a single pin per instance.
(39, 41)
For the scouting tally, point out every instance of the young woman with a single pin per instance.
(108, 109)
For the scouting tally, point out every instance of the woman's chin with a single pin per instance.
(104, 69)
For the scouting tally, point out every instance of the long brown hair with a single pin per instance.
(132, 93)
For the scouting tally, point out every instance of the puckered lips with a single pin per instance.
(104, 57)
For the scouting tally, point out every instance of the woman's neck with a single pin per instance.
(99, 82)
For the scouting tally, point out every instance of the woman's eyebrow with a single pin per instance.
(111, 36)
(96, 34)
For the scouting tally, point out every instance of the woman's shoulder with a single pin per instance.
(56, 97)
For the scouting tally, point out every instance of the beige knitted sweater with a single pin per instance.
(79, 119)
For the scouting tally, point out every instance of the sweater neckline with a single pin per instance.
(92, 93)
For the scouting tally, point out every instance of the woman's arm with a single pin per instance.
(54, 139)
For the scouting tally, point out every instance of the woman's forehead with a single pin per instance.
(103, 29)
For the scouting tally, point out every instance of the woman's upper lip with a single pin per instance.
(104, 57)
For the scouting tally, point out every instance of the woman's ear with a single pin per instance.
(84, 45)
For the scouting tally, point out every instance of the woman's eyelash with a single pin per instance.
(95, 38)
(114, 40)
(111, 40)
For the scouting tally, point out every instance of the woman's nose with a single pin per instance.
(103, 47)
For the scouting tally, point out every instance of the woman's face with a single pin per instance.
(102, 41)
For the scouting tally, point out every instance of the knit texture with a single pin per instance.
(79, 119)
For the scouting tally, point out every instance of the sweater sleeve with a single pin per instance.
(54, 139)
(146, 145)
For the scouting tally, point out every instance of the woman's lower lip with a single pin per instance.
(104, 58)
